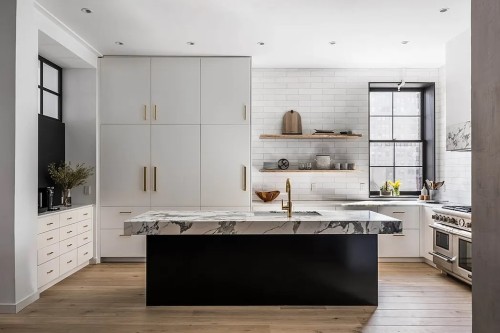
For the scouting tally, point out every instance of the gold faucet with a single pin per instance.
(288, 207)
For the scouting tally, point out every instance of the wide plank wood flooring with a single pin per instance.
(414, 297)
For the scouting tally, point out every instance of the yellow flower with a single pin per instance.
(395, 185)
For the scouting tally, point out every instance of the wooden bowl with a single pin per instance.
(267, 196)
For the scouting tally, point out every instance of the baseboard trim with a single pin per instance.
(15, 308)
(419, 259)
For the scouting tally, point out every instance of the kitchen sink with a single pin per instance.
(283, 213)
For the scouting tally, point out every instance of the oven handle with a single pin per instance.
(440, 256)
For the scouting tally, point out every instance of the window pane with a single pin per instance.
(39, 71)
(411, 178)
(407, 128)
(381, 128)
(38, 103)
(380, 103)
(50, 78)
(381, 154)
(409, 154)
(407, 103)
(50, 105)
(378, 176)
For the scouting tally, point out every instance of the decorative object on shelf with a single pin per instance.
(349, 132)
(344, 166)
(302, 165)
(323, 162)
(310, 136)
(351, 166)
(433, 188)
(385, 191)
(292, 123)
(283, 164)
(309, 165)
(267, 196)
(395, 187)
(270, 165)
(324, 131)
(336, 166)
(67, 177)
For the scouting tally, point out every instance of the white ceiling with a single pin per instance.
(58, 54)
(296, 32)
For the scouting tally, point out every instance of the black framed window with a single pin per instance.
(397, 144)
(49, 89)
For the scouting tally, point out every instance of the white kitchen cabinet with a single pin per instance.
(225, 166)
(125, 90)
(225, 90)
(426, 233)
(175, 165)
(125, 165)
(113, 217)
(175, 90)
(406, 245)
(115, 245)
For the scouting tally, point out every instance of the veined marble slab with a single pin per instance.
(250, 223)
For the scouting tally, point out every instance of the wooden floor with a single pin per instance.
(110, 298)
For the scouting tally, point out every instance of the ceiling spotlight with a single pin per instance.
(190, 43)
(86, 10)
(260, 43)
(405, 42)
(119, 43)
(333, 42)
(444, 10)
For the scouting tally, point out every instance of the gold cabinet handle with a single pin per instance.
(144, 188)
(145, 112)
(154, 179)
(244, 178)
(155, 112)
(245, 112)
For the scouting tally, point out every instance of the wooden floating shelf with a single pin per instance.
(297, 170)
(310, 136)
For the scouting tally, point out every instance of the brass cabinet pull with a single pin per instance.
(155, 112)
(50, 253)
(69, 218)
(125, 212)
(50, 271)
(144, 188)
(244, 178)
(69, 262)
(85, 214)
(145, 112)
(245, 112)
(69, 245)
(85, 253)
(50, 238)
(69, 231)
(50, 223)
(154, 179)
(85, 238)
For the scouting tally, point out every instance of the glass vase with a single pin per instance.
(67, 197)
(395, 192)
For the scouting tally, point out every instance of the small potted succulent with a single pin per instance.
(385, 190)
(395, 187)
(67, 177)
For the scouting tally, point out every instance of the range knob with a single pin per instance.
(461, 222)
(468, 225)
(453, 220)
(435, 217)
(441, 218)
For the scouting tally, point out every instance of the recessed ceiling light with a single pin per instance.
(260, 43)
(444, 10)
(190, 43)
(405, 42)
(86, 10)
(333, 42)
(119, 43)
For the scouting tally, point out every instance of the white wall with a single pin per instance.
(79, 115)
(327, 99)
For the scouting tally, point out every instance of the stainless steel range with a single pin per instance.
(452, 249)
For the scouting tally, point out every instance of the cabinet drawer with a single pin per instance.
(85, 238)
(67, 261)
(68, 231)
(48, 253)
(410, 215)
(69, 244)
(85, 253)
(48, 272)
(48, 238)
(48, 223)
(84, 226)
(69, 217)
(113, 217)
(406, 245)
(85, 213)
(115, 246)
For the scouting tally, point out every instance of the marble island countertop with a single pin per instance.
(260, 223)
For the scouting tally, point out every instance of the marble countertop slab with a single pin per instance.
(260, 223)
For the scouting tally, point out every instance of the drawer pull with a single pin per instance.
(398, 235)
(86, 226)
(50, 238)
(69, 231)
(85, 238)
(125, 212)
(69, 245)
(125, 235)
(50, 223)
(398, 212)
(50, 253)
(50, 271)
(85, 214)
(69, 262)
(69, 218)
(85, 253)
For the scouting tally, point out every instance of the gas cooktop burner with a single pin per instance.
(463, 209)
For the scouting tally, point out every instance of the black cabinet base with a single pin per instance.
(262, 270)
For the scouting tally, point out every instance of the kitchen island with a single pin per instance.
(261, 258)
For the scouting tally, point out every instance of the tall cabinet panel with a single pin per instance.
(125, 161)
(175, 165)
(225, 92)
(125, 90)
(225, 166)
(175, 90)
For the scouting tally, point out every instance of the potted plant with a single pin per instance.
(67, 177)
(395, 187)
(385, 190)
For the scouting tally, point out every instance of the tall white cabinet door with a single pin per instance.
(225, 90)
(225, 166)
(175, 90)
(125, 165)
(125, 90)
(175, 165)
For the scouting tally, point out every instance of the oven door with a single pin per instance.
(463, 265)
(443, 249)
